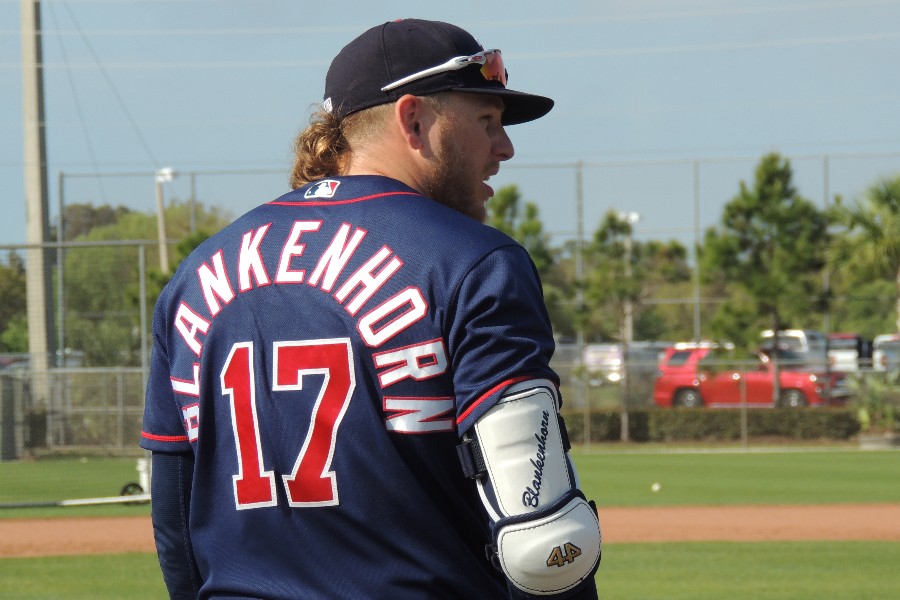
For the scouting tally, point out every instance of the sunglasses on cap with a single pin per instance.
(491, 62)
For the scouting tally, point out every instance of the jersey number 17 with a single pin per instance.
(311, 482)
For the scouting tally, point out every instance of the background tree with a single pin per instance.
(622, 270)
(770, 250)
(866, 258)
(13, 325)
(560, 290)
(156, 279)
(102, 314)
(503, 209)
(613, 278)
(523, 224)
(79, 219)
(666, 274)
(762, 263)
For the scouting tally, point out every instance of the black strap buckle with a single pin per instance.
(490, 552)
(471, 458)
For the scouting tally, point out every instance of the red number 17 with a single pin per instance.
(312, 482)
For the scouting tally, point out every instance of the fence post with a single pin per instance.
(8, 421)
(120, 409)
(744, 433)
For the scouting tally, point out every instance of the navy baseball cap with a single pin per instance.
(413, 56)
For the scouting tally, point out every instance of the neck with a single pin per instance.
(386, 164)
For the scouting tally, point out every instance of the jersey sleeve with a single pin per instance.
(163, 427)
(500, 331)
(172, 476)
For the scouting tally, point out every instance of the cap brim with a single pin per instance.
(519, 106)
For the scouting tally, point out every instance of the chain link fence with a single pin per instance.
(85, 411)
(87, 396)
(99, 294)
(90, 397)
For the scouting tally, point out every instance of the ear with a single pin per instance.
(414, 119)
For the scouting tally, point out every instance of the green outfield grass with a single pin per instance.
(134, 576)
(67, 479)
(750, 571)
(615, 478)
(685, 571)
(612, 476)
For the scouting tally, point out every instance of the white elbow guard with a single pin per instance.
(546, 535)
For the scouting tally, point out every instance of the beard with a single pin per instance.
(451, 180)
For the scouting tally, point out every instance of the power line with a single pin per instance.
(638, 17)
(80, 112)
(717, 47)
(198, 32)
(114, 91)
(689, 14)
(599, 53)
(231, 64)
(266, 167)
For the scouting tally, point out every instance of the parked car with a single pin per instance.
(848, 352)
(16, 366)
(604, 362)
(711, 377)
(886, 352)
(810, 345)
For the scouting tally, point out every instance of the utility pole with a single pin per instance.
(696, 274)
(38, 279)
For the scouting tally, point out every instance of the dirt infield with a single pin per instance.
(862, 522)
(48, 537)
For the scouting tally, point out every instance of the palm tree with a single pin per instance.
(873, 232)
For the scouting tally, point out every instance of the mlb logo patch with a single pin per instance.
(322, 189)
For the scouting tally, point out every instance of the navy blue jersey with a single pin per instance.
(321, 357)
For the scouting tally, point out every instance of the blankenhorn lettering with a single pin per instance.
(532, 494)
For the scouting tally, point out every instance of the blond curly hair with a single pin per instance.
(322, 149)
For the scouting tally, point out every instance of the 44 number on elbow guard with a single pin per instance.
(562, 555)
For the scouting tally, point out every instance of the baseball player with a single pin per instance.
(350, 393)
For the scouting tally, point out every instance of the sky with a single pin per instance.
(667, 105)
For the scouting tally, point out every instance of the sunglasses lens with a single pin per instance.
(493, 69)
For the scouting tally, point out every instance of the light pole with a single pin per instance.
(630, 218)
(162, 176)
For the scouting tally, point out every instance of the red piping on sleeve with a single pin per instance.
(164, 438)
(488, 394)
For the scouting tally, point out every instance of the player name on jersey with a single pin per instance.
(377, 324)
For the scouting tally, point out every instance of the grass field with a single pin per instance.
(98, 577)
(694, 571)
(615, 478)
(67, 479)
(611, 477)
(757, 571)
(670, 571)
